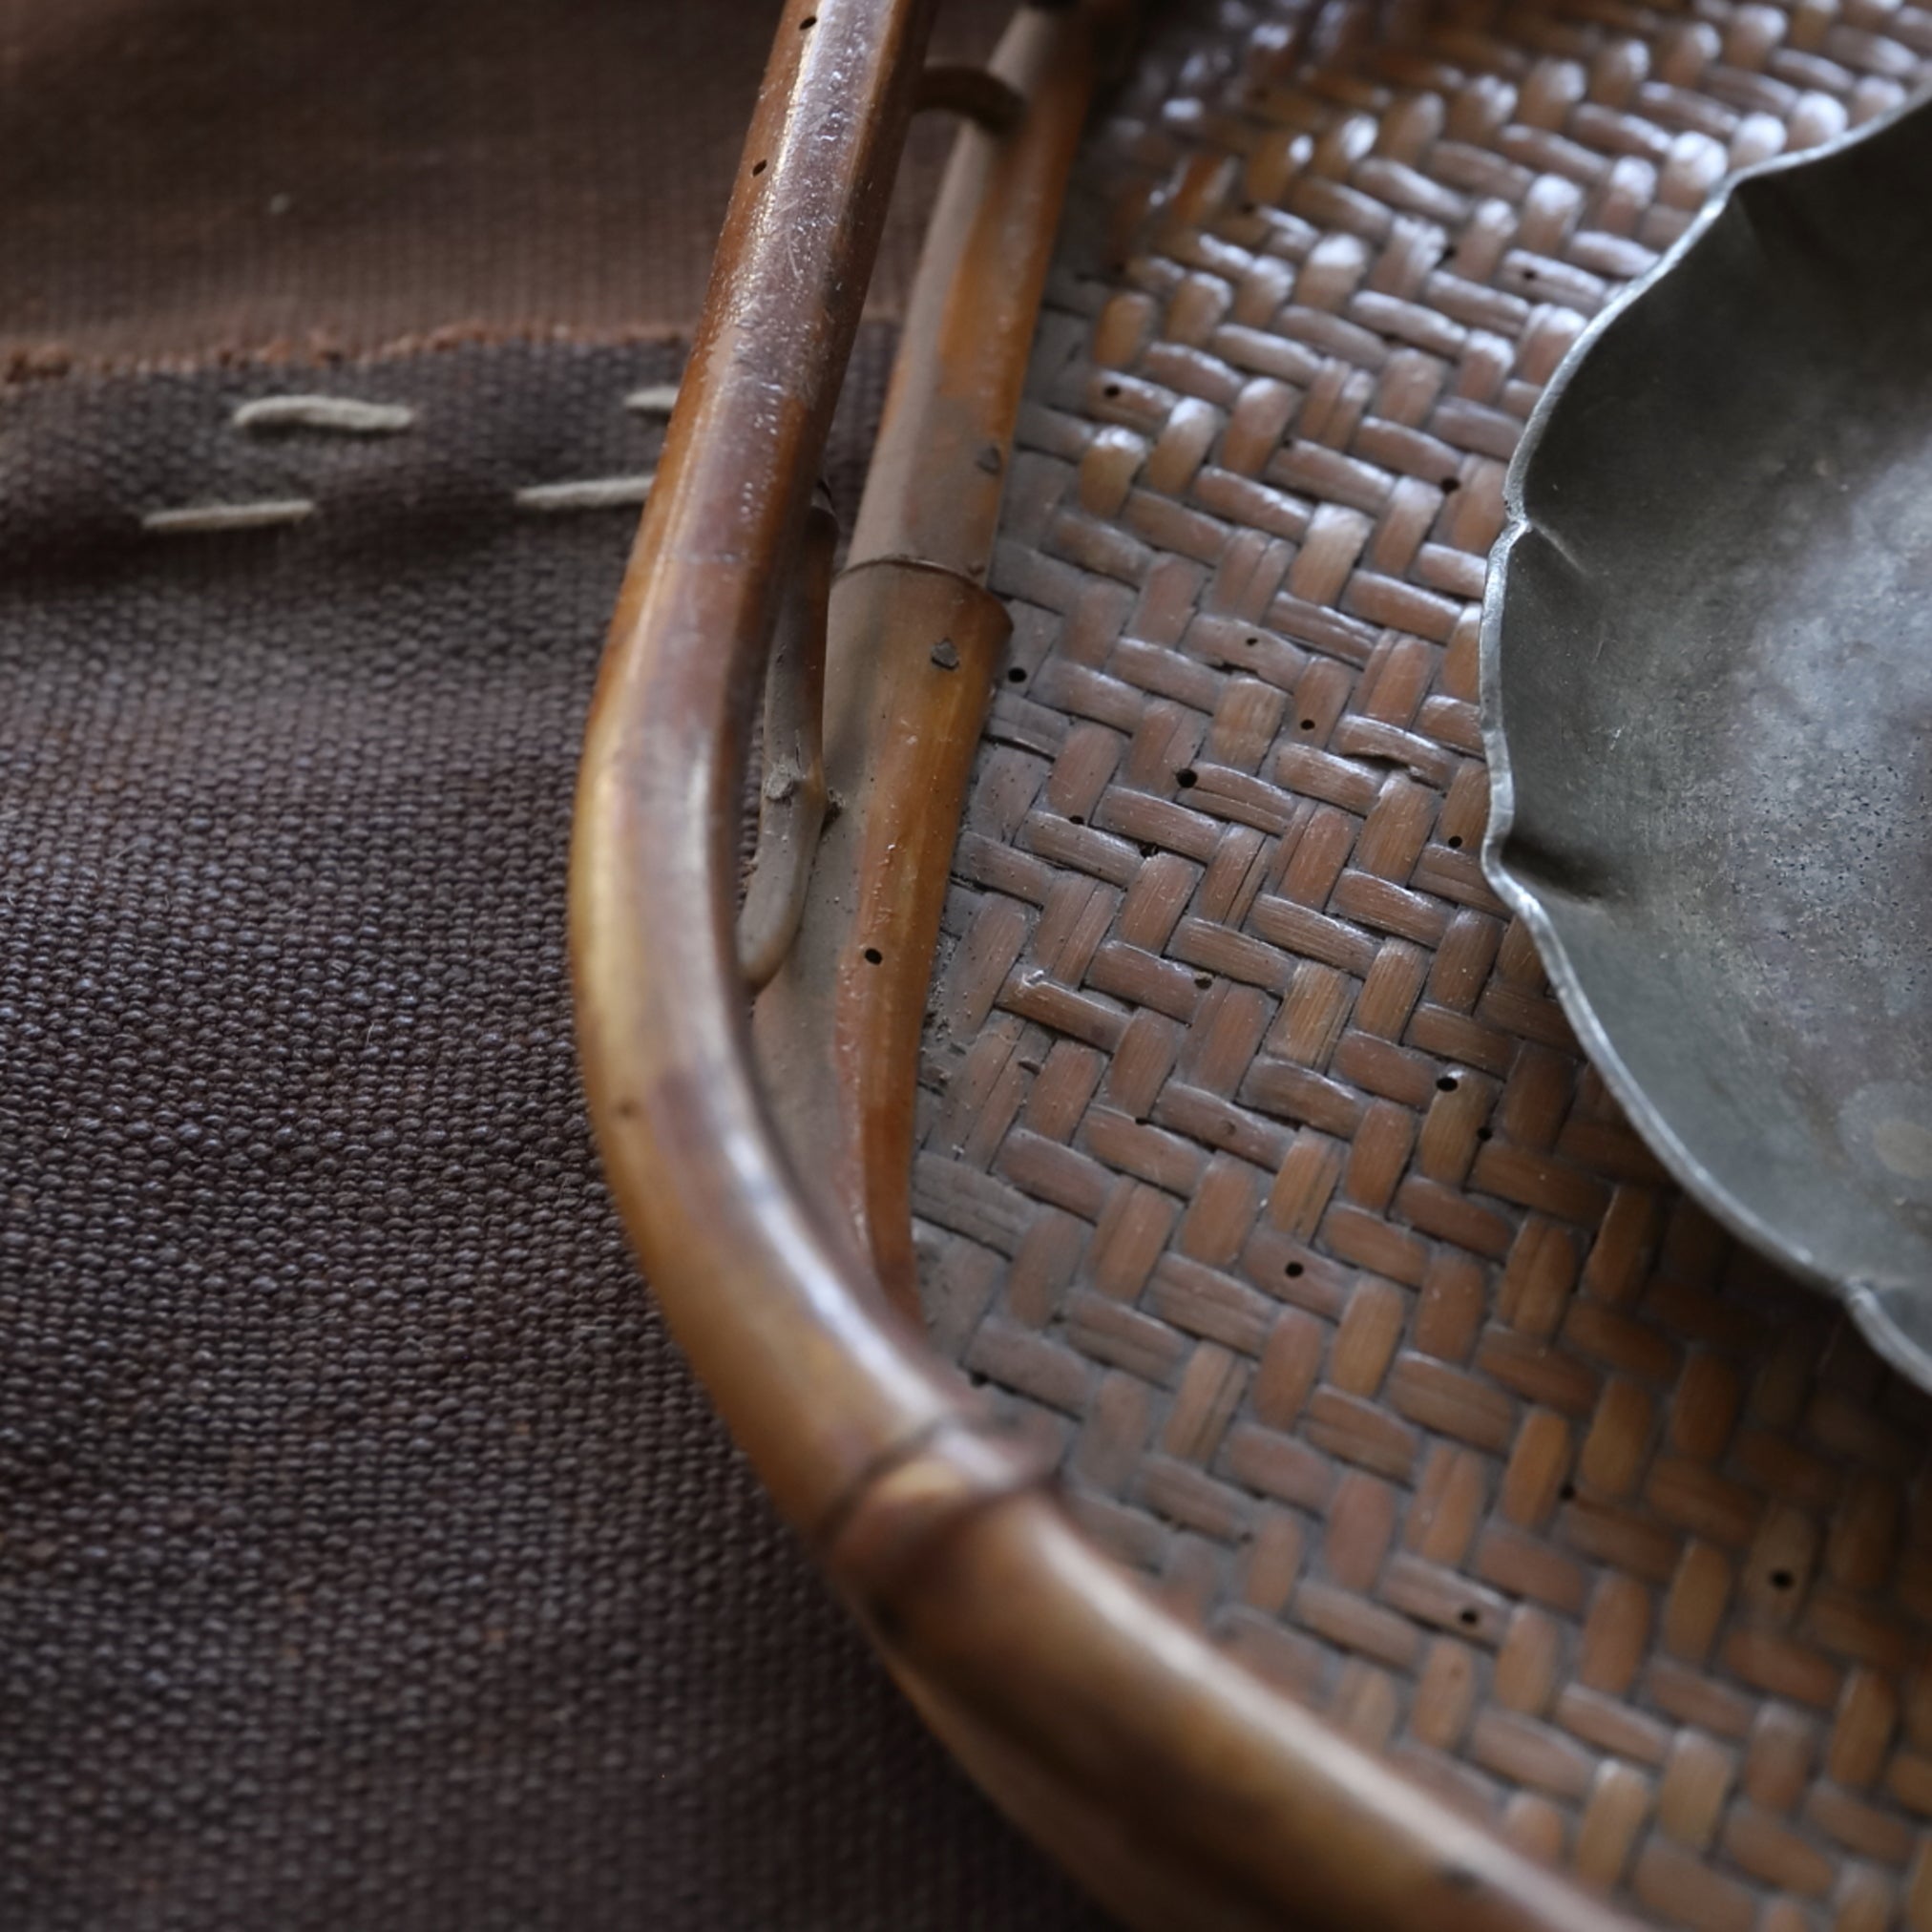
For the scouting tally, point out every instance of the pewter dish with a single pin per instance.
(1707, 686)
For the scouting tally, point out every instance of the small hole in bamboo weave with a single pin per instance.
(1073, 818)
(1446, 1084)
(1454, 842)
(873, 956)
(1567, 1493)
(1308, 724)
(1204, 980)
(1187, 777)
(757, 167)
(1247, 207)
(1016, 674)
(1782, 1580)
(1111, 390)
(1250, 643)
(809, 21)
(1469, 1618)
(1295, 1270)
(1451, 484)
(1484, 1134)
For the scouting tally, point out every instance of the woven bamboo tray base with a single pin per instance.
(1257, 1163)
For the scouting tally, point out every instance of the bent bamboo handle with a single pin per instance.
(1184, 1790)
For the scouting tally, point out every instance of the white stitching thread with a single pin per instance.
(343, 415)
(350, 416)
(265, 514)
(592, 493)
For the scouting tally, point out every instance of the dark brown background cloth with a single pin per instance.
(179, 176)
(367, 1557)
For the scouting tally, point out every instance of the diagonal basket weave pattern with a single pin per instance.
(1257, 1163)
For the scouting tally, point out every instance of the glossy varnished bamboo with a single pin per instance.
(916, 642)
(758, 1286)
(1185, 1791)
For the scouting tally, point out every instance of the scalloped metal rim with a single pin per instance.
(1863, 1305)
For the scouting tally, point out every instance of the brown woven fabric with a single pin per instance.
(1258, 1162)
(186, 176)
(367, 1559)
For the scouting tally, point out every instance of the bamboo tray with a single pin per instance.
(1177, 1269)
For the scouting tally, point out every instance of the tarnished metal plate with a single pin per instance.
(1706, 667)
